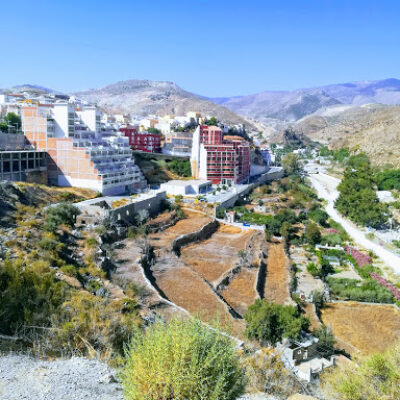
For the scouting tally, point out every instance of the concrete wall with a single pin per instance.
(12, 141)
(268, 177)
(128, 212)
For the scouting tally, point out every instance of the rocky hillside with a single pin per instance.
(143, 97)
(294, 105)
(372, 128)
(286, 106)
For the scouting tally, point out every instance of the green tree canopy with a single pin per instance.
(313, 233)
(291, 163)
(357, 196)
(270, 322)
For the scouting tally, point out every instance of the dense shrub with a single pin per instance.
(389, 179)
(182, 360)
(180, 167)
(269, 322)
(29, 295)
(63, 213)
(312, 234)
(332, 239)
(357, 197)
(367, 290)
(370, 378)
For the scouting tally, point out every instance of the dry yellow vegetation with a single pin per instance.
(367, 328)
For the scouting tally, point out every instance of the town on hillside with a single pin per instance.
(118, 223)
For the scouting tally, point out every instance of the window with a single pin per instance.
(298, 351)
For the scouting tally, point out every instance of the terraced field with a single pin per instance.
(214, 257)
(193, 222)
(278, 275)
(241, 291)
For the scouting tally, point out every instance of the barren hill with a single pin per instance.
(143, 97)
(294, 105)
(372, 128)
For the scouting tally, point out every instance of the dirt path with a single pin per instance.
(278, 275)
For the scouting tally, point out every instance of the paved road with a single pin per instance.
(325, 186)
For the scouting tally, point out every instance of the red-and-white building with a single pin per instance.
(218, 158)
(143, 141)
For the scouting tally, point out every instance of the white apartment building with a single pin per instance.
(79, 152)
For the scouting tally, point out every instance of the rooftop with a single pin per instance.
(188, 182)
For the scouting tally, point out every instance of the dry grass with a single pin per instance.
(213, 257)
(364, 327)
(186, 289)
(309, 309)
(278, 275)
(241, 292)
(193, 222)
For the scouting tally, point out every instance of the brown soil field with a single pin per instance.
(241, 292)
(365, 327)
(186, 289)
(193, 222)
(278, 275)
(213, 257)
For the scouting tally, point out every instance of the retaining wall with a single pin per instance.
(202, 234)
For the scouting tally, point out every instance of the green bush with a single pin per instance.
(29, 295)
(313, 270)
(312, 234)
(332, 239)
(180, 167)
(357, 197)
(62, 213)
(270, 322)
(182, 360)
(352, 289)
(369, 378)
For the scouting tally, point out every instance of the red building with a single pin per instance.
(220, 159)
(143, 141)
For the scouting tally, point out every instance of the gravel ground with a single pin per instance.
(26, 378)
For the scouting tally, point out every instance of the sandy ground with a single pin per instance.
(368, 328)
(241, 292)
(325, 186)
(213, 257)
(278, 275)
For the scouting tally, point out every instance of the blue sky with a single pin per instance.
(210, 47)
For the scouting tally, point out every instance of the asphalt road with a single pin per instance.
(326, 187)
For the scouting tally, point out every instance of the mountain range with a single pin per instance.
(293, 105)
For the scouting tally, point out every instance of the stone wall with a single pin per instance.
(202, 234)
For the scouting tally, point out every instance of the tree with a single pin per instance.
(286, 230)
(62, 213)
(182, 360)
(312, 234)
(153, 130)
(212, 121)
(357, 196)
(291, 163)
(11, 120)
(269, 322)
